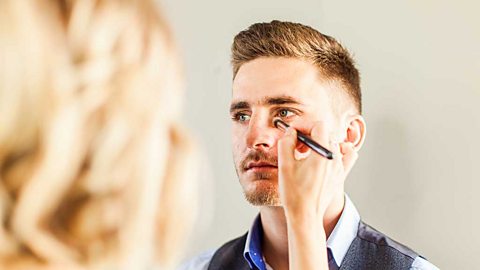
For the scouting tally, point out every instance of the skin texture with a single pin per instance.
(300, 194)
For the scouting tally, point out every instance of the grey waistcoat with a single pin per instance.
(370, 250)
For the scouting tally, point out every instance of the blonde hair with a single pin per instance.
(295, 40)
(95, 170)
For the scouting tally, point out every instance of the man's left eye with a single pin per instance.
(285, 113)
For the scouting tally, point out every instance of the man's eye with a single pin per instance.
(241, 117)
(285, 113)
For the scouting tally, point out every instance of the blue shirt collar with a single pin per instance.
(338, 242)
(253, 246)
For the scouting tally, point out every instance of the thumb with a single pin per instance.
(286, 149)
(350, 156)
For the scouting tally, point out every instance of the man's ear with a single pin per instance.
(356, 131)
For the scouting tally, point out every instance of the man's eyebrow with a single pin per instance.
(239, 105)
(281, 100)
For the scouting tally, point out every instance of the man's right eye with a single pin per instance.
(241, 117)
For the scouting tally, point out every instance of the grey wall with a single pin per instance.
(417, 178)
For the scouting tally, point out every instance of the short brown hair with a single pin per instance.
(287, 39)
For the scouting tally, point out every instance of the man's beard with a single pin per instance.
(265, 186)
(265, 195)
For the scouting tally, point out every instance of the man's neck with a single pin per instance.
(275, 237)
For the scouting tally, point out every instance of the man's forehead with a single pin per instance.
(263, 78)
(275, 69)
(262, 92)
(265, 86)
(307, 95)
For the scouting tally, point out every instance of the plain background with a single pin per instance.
(417, 178)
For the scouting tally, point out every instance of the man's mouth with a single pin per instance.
(260, 166)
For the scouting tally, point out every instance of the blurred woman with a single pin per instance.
(95, 170)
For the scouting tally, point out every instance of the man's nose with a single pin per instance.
(261, 134)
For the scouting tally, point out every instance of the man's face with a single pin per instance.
(264, 89)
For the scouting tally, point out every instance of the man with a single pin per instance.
(292, 72)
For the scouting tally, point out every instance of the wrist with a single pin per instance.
(307, 232)
(305, 220)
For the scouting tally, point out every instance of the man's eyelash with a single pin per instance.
(295, 112)
(236, 116)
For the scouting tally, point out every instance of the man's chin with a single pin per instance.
(262, 193)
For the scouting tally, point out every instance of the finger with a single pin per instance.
(320, 134)
(350, 156)
(317, 160)
(336, 165)
(301, 155)
(337, 153)
(326, 169)
(286, 148)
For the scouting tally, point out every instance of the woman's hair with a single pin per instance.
(95, 171)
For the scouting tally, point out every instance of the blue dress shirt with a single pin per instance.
(338, 243)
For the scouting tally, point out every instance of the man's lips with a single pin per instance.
(260, 166)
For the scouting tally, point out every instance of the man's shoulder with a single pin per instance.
(372, 235)
(369, 234)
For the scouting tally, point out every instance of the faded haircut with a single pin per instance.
(295, 40)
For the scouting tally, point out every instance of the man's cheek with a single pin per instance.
(237, 148)
(237, 157)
